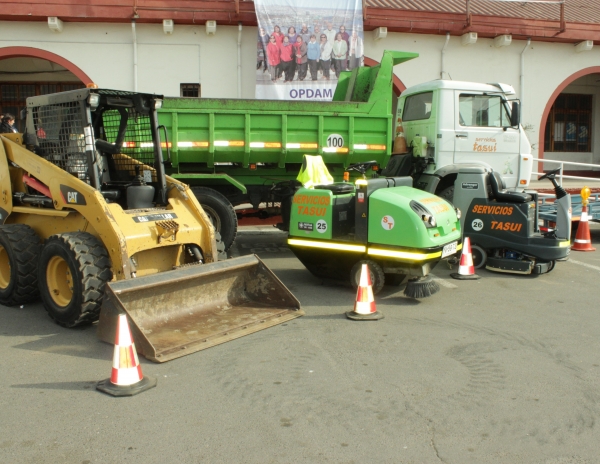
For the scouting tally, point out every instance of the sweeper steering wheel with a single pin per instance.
(362, 167)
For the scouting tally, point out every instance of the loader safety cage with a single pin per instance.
(105, 146)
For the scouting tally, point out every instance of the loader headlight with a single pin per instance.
(158, 104)
(458, 213)
(93, 100)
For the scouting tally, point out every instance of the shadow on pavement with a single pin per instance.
(77, 386)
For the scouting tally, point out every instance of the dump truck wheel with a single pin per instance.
(377, 275)
(19, 256)
(220, 211)
(73, 271)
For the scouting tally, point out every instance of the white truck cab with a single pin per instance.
(448, 124)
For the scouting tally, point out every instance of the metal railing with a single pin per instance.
(561, 175)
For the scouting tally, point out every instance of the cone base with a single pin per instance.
(458, 276)
(106, 386)
(583, 249)
(364, 317)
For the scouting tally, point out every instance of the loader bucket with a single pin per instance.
(178, 312)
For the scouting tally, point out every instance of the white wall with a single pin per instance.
(105, 53)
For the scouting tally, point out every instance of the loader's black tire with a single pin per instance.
(220, 211)
(377, 275)
(19, 257)
(221, 253)
(73, 272)
(447, 194)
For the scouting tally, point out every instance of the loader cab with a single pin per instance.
(107, 138)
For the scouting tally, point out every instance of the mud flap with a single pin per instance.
(179, 312)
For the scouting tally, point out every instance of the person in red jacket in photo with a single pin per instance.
(278, 35)
(274, 58)
(301, 58)
(287, 59)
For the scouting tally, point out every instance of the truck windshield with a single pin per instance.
(483, 111)
(417, 107)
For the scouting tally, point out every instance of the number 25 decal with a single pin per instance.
(321, 226)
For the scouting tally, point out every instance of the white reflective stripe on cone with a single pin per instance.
(124, 338)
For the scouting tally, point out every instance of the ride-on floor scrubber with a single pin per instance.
(503, 225)
(397, 230)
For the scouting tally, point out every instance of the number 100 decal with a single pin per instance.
(335, 141)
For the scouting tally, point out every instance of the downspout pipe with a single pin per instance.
(522, 77)
(444, 54)
(239, 61)
(135, 57)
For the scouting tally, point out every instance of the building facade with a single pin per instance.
(547, 51)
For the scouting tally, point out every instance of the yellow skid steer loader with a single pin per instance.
(92, 225)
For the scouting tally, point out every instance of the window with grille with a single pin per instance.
(190, 90)
(13, 96)
(568, 127)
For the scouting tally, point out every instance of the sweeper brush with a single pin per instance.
(421, 287)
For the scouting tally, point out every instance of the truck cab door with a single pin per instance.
(483, 134)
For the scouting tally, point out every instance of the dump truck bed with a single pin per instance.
(254, 140)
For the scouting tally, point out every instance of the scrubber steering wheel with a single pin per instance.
(551, 175)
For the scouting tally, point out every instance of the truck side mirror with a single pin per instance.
(515, 114)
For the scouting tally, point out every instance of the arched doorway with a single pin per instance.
(566, 126)
(28, 71)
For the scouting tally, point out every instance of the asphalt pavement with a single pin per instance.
(505, 369)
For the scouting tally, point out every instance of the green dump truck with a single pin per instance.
(233, 152)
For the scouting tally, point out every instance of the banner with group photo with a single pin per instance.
(304, 45)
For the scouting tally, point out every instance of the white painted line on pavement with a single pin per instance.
(442, 282)
(581, 263)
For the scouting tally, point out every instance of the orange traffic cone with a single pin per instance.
(583, 241)
(364, 307)
(400, 146)
(126, 378)
(466, 270)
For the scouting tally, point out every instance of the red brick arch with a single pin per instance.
(399, 86)
(16, 52)
(555, 94)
